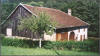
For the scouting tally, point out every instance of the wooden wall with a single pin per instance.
(14, 20)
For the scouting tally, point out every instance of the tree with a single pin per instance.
(38, 24)
(36, 3)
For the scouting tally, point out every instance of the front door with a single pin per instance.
(62, 36)
(72, 35)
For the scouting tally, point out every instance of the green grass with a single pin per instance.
(9, 50)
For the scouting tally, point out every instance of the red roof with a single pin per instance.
(63, 19)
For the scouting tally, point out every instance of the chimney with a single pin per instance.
(69, 11)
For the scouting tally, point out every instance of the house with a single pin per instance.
(69, 27)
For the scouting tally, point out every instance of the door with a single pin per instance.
(58, 36)
(72, 35)
(62, 36)
(9, 31)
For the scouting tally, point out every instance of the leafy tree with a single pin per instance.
(36, 3)
(6, 10)
(40, 24)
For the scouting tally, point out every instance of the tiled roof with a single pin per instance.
(63, 19)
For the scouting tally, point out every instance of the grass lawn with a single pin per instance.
(9, 50)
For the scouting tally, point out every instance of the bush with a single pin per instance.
(2, 36)
(91, 33)
(86, 45)
(21, 43)
(18, 43)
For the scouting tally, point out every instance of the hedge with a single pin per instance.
(87, 45)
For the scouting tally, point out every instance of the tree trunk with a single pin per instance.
(40, 42)
(40, 39)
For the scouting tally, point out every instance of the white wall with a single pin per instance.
(50, 37)
(77, 33)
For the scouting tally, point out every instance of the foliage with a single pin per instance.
(17, 43)
(2, 36)
(87, 45)
(6, 10)
(36, 3)
(21, 42)
(40, 24)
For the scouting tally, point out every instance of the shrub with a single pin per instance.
(21, 43)
(17, 42)
(87, 45)
(2, 36)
